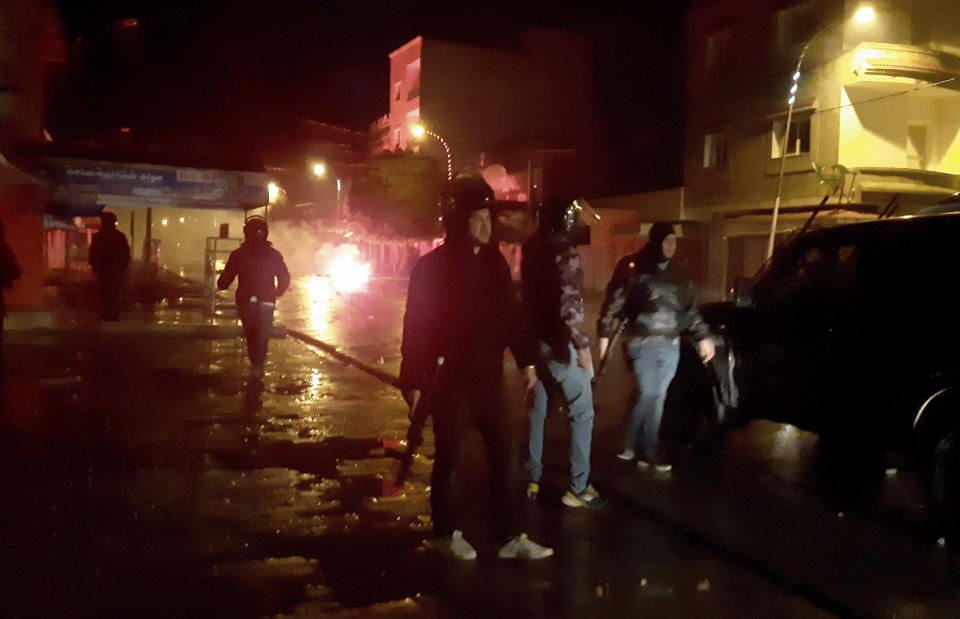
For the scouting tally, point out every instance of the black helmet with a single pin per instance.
(108, 220)
(255, 229)
(566, 219)
(466, 193)
(461, 196)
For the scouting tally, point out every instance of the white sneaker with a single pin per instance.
(522, 547)
(626, 454)
(456, 547)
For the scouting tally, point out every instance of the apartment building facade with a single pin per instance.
(874, 125)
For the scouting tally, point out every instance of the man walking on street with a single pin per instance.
(263, 277)
(461, 314)
(655, 305)
(109, 259)
(553, 309)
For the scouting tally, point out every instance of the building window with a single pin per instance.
(718, 44)
(396, 89)
(798, 142)
(714, 150)
(412, 78)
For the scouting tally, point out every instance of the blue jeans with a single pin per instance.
(654, 363)
(571, 383)
(257, 321)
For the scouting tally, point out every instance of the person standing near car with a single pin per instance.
(263, 277)
(553, 310)
(461, 314)
(109, 258)
(655, 305)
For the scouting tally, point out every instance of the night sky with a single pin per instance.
(225, 69)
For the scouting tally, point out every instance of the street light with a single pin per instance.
(864, 15)
(320, 171)
(418, 131)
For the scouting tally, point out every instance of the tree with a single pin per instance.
(397, 194)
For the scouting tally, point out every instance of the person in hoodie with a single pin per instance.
(655, 306)
(462, 312)
(109, 259)
(263, 277)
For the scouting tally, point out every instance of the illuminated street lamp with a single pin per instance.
(863, 16)
(419, 131)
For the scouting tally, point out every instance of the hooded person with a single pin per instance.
(552, 279)
(461, 314)
(262, 277)
(109, 258)
(655, 305)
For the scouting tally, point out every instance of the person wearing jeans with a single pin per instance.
(655, 305)
(553, 309)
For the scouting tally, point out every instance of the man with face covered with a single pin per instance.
(655, 305)
(462, 312)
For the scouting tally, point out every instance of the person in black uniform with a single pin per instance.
(462, 312)
(109, 258)
(263, 277)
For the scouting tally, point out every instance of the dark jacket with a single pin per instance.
(552, 302)
(109, 254)
(261, 271)
(652, 301)
(461, 306)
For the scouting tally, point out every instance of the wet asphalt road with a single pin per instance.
(149, 477)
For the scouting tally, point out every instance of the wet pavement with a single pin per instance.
(145, 475)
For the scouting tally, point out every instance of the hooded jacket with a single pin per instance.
(651, 298)
(552, 301)
(461, 306)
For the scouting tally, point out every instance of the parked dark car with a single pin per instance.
(852, 332)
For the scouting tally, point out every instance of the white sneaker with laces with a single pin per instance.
(456, 546)
(522, 547)
(626, 454)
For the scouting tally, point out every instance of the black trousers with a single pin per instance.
(257, 321)
(460, 405)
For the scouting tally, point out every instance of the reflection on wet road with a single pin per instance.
(149, 476)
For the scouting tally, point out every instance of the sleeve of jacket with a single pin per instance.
(693, 321)
(283, 275)
(229, 273)
(571, 298)
(414, 347)
(615, 297)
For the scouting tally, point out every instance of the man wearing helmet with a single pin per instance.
(553, 309)
(655, 305)
(461, 314)
(263, 277)
(109, 258)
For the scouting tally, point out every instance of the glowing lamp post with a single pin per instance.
(863, 16)
(419, 131)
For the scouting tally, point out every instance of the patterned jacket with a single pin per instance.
(552, 301)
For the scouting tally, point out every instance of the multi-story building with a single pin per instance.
(526, 106)
(874, 128)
